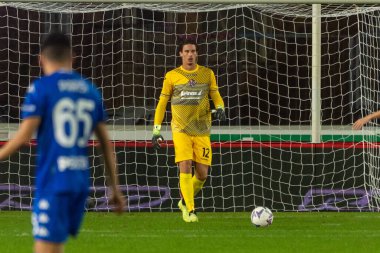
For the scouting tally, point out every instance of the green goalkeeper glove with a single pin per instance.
(220, 114)
(157, 137)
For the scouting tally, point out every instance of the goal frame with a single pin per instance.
(315, 145)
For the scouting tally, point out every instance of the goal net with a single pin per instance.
(262, 57)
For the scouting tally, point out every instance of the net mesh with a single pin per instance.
(261, 55)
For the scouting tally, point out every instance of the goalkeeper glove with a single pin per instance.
(220, 114)
(157, 137)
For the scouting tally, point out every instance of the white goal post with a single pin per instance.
(294, 77)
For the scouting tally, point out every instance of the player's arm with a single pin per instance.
(361, 122)
(31, 112)
(23, 135)
(160, 112)
(110, 163)
(216, 98)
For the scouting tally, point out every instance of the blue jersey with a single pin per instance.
(70, 108)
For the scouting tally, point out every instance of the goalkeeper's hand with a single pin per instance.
(220, 114)
(157, 137)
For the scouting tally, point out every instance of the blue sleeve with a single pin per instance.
(33, 103)
(101, 113)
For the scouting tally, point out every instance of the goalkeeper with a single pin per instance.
(189, 87)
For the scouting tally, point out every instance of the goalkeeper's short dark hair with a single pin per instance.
(56, 47)
(188, 42)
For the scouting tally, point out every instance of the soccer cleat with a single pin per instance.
(183, 208)
(193, 216)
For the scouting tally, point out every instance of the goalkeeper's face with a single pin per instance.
(189, 56)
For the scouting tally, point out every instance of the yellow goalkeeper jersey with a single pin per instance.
(189, 93)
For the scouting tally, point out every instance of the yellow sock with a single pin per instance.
(187, 190)
(197, 184)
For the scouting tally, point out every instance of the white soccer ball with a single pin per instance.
(261, 217)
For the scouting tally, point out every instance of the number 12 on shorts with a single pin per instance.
(206, 152)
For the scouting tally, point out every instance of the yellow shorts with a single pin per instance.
(196, 148)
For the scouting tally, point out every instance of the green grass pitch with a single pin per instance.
(216, 232)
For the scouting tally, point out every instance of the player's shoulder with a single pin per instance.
(205, 69)
(35, 86)
(35, 83)
(173, 72)
(92, 87)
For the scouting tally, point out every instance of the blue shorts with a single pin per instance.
(56, 216)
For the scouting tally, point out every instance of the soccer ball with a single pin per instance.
(261, 217)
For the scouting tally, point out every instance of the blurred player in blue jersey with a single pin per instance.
(65, 110)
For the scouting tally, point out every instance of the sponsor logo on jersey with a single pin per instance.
(72, 163)
(191, 94)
